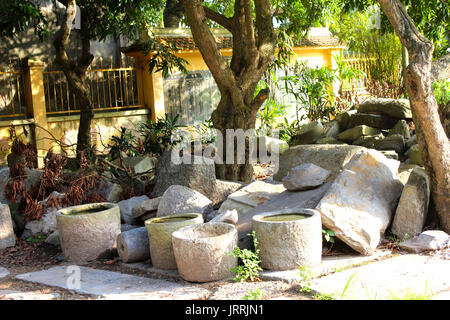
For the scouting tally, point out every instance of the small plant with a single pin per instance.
(159, 135)
(122, 144)
(324, 296)
(269, 113)
(328, 235)
(38, 239)
(254, 295)
(306, 274)
(250, 267)
(206, 132)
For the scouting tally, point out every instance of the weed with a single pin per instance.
(249, 270)
(254, 295)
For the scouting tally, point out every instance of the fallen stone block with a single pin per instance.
(429, 240)
(133, 245)
(354, 133)
(395, 108)
(145, 206)
(126, 209)
(412, 209)
(359, 205)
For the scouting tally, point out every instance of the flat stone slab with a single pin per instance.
(400, 277)
(147, 267)
(257, 193)
(329, 264)
(27, 295)
(3, 272)
(115, 285)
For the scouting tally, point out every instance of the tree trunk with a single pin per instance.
(432, 139)
(236, 81)
(76, 72)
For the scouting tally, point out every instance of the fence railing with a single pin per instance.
(12, 99)
(111, 89)
(358, 62)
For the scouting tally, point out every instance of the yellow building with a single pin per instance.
(41, 101)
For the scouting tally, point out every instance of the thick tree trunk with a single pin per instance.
(237, 82)
(432, 139)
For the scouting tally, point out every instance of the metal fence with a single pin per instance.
(358, 62)
(12, 97)
(110, 88)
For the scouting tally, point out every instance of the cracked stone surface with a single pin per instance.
(114, 285)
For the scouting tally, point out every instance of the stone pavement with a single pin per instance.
(380, 276)
(114, 285)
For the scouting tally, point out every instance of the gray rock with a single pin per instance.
(308, 133)
(414, 155)
(145, 206)
(47, 223)
(3, 272)
(394, 142)
(229, 216)
(53, 239)
(199, 176)
(180, 199)
(427, 241)
(412, 208)
(401, 128)
(330, 157)
(404, 171)
(223, 189)
(331, 129)
(33, 176)
(395, 108)
(305, 176)
(371, 120)
(368, 141)
(343, 119)
(127, 227)
(7, 237)
(354, 133)
(126, 209)
(358, 206)
(110, 191)
(329, 140)
(411, 141)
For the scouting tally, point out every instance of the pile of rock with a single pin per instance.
(381, 124)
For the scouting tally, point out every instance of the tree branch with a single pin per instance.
(218, 18)
(62, 38)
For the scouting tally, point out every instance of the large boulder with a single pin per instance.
(199, 175)
(414, 155)
(180, 199)
(412, 208)
(145, 207)
(369, 141)
(394, 142)
(360, 203)
(305, 176)
(395, 108)
(330, 157)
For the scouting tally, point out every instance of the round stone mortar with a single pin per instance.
(202, 252)
(89, 231)
(160, 231)
(289, 238)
